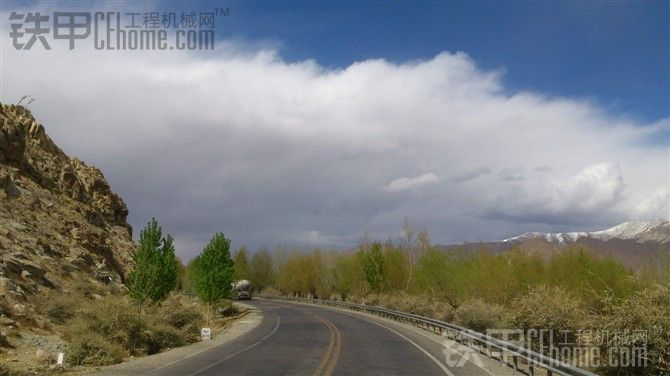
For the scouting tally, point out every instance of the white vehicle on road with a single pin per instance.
(242, 290)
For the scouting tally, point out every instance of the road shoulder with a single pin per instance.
(153, 363)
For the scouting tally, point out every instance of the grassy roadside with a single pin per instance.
(97, 325)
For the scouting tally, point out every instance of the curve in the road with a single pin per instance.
(297, 339)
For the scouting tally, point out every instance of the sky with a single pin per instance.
(315, 124)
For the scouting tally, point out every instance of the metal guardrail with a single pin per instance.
(523, 360)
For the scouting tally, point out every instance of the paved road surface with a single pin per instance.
(297, 339)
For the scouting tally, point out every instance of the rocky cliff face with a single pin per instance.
(58, 216)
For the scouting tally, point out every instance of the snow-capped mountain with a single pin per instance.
(638, 231)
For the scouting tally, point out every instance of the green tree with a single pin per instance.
(212, 270)
(241, 264)
(348, 276)
(260, 270)
(303, 274)
(155, 271)
(372, 262)
(396, 271)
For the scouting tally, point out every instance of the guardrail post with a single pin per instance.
(516, 363)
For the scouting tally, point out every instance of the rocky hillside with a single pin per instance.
(59, 219)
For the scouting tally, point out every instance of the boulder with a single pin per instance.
(12, 141)
(42, 356)
(11, 190)
(19, 309)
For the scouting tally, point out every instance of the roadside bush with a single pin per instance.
(180, 314)
(478, 315)
(418, 305)
(549, 308)
(119, 321)
(226, 309)
(94, 350)
(161, 337)
(647, 312)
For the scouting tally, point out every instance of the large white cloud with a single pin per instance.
(276, 152)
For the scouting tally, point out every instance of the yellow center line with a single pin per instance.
(332, 355)
(336, 352)
(326, 356)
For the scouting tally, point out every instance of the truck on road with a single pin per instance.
(242, 290)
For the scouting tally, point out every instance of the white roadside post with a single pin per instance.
(61, 359)
(206, 334)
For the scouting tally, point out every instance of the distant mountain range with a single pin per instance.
(639, 231)
(636, 243)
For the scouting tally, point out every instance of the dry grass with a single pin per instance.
(104, 330)
(134, 329)
(6, 370)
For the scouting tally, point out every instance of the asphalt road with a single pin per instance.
(296, 339)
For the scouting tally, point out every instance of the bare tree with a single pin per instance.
(424, 241)
(408, 240)
(413, 242)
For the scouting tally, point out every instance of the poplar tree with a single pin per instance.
(260, 270)
(213, 270)
(241, 264)
(155, 271)
(372, 262)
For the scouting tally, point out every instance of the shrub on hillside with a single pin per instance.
(59, 307)
(180, 314)
(161, 336)
(117, 320)
(478, 315)
(93, 349)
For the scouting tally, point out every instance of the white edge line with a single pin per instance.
(362, 314)
(241, 351)
(201, 351)
(434, 359)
